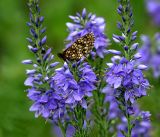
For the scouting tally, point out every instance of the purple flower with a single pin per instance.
(113, 111)
(85, 23)
(153, 7)
(141, 119)
(27, 61)
(155, 62)
(125, 75)
(142, 128)
(48, 104)
(142, 124)
(46, 101)
(151, 57)
(145, 50)
(74, 90)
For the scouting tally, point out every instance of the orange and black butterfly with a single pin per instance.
(81, 47)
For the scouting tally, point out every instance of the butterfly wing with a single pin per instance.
(73, 52)
(88, 43)
(81, 47)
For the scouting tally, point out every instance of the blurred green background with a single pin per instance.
(15, 118)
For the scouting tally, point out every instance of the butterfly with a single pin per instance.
(81, 47)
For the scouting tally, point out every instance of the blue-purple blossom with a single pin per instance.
(155, 60)
(153, 8)
(142, 124)
(155, 64)
(145, 50)
(113, 111)
(46, 102)
(151, 53)
(126, 76)
(75, 90)
(28, 61)
(141, 118)
(85, 23)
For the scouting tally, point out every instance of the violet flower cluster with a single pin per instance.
(151, 50)
(85, 23)
(153, 8)
(124, 75)
(142, 121)
(142, 124)
(45, 101)
(135, 85)
(72, 90)
(75, 88)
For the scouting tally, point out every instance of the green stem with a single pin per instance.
(129, 126)
(100, 118)
(80, 114)
(63, 129)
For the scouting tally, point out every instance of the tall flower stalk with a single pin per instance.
(39, 77)
(153, 8)
(47, 102)
(150, 51)
(76, 82)
(82, 24)
(124, 75)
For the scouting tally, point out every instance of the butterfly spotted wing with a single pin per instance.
(81, 47)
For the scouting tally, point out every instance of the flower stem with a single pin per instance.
(63, 129)
(80, 114)
(129, 125)
(98, 109)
